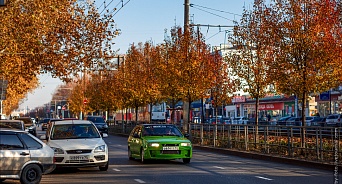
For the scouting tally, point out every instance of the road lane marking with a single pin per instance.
(116, 170)
(263, 178)
(219, 167)
(139, 181)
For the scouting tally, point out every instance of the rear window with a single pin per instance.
(332, 117)
(96, 120)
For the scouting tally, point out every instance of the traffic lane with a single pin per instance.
(213, 167)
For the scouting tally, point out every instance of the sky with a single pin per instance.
(147, 20)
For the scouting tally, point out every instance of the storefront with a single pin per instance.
(265, 109)
(328, 106)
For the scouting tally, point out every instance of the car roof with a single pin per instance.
(66, 122)
(9, 120)
(12, 130)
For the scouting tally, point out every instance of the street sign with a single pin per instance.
(63, 108)
(85, 101)
(325, 96)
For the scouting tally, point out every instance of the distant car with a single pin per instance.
(77, 143)
(282, 121)
(309, 120)
(44, 123)
(14, 124)
(99, 122)
(158, 142)
(333, 120)
(24, 157)
(294, 121)
(29, 125)
(240, 120)
(320, 121)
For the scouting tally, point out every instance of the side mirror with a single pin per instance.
(136, 135)
(104, 135)
(186, 135)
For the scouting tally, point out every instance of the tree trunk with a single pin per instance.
(256, 120)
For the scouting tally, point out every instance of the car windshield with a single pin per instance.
(74, 131)
(161, 130)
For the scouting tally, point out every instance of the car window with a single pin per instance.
(10, 142)
(16, 125)
(74, 131)
(162, 130)
(30, 142)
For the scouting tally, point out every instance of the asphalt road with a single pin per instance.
(205, 167)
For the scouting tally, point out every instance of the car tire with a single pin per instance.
(129, 153)
(186, 160)
(32, 174)
(104, 168)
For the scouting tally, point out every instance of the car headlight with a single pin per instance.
(154, 144)
(58, 150)
(100, 149)
(185, 144)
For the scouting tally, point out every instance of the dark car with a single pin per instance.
(44, 123)
(99, 123)
(29, 125)
(282, 120)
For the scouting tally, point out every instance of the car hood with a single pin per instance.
(165, 139)
(70, 144)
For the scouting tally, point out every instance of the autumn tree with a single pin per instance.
(61, 37)
(304, 39)
(248, 57)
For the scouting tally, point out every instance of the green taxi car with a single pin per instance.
(158, 142)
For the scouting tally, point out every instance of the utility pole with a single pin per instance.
(186, 105)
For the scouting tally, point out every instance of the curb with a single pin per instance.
(265, 157)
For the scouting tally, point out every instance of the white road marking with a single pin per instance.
(116, 170)
(263, 178)
(139, 181)
(219, 167)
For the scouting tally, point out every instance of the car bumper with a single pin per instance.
(48, 168)
(168, 154)
(93, 161)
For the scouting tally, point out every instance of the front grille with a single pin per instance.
(177, 152)
(78, 151)
(170, 144)
(79, 161)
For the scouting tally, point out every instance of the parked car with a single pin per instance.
(99, 122)
(320, 121)
(294, 121)
(159, 142)
(282, 120)
(29, 125)
(240, 120)
(24, 157)
(77, 143)
(14, 124)
(333, 120)
(261, 121)
(309, 120)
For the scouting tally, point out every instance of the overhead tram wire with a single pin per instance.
(212, 13)
(215, 10)
(104, 8)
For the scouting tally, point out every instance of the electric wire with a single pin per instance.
(213, 13)
(215, 9)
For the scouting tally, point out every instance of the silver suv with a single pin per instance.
(333, 120)
(24, 157)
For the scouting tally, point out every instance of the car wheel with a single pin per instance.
(130, 154)
(186, 160)
(31, 174)
(104, 168)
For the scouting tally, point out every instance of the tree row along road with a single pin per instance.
(205, 167)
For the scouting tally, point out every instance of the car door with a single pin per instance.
(135, 140)
(13, 154)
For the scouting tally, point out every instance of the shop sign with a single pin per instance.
(239, 99)
(270, 106)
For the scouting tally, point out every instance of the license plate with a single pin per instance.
(83, 157)
(170, 148)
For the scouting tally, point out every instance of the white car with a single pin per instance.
(77, 143)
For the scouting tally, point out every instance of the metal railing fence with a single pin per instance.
(319, 144)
